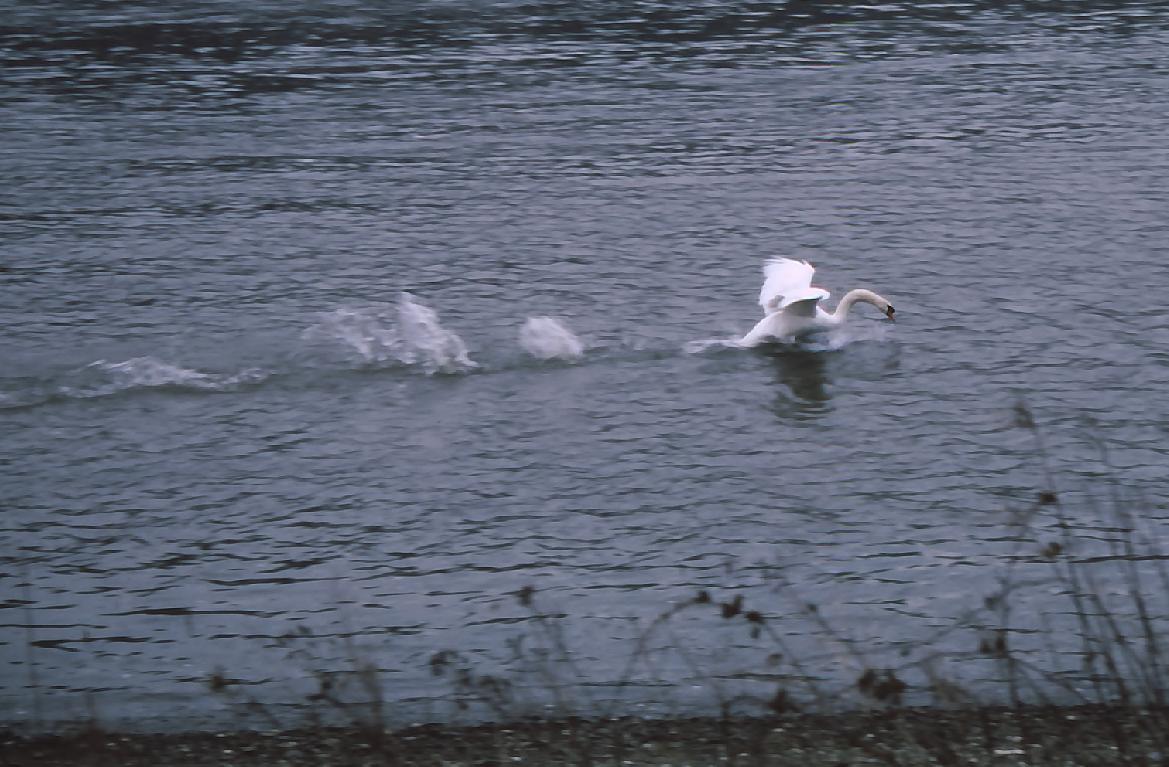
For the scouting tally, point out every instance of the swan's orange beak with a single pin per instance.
(889, 313)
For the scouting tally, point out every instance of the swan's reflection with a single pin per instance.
(807, 374)
(806, 381)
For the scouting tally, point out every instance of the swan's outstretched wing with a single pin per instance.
(803, 307)
(786, 281)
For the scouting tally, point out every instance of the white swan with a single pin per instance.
(791, 306)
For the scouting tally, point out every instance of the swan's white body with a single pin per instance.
(791, 306)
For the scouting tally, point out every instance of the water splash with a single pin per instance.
(368, 333)
(428, 343)
(546, 338)
(407, 334)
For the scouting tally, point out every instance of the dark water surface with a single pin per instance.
(221, 422)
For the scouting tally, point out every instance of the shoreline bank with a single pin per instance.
(1092, 735)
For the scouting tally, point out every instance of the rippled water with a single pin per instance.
(355, 323)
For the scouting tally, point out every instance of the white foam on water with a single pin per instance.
(546, 338)
(705, 344)
(838, 338)
(823, 341)
(102, 378)
(407, 334)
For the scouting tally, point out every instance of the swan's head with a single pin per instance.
(878, 301)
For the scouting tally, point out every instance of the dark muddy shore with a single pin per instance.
(1065, 736)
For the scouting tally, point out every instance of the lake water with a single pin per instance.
(264, 284)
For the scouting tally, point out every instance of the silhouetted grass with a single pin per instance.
(1116, 633)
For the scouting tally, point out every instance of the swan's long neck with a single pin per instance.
(851, 297)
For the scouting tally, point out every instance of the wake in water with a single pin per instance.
(104, 379)
(407, 335)
(150, 373)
